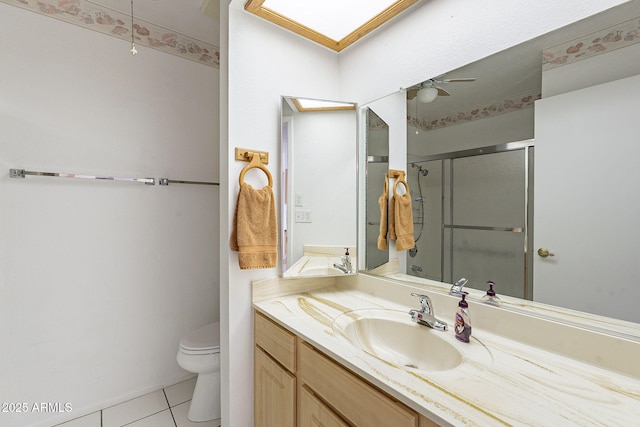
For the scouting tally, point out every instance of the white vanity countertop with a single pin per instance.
(500, 382)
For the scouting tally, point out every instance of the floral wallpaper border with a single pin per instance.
(611, 38)
(605, 40)
(495, 108)
(118, 24)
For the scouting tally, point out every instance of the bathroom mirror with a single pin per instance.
(483, 130)
(319, 196)
(376, 147)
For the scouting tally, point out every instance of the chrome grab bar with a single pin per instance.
(21, 173)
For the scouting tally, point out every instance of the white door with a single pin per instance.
(587, 199)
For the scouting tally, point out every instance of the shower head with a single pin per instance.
(421, 170)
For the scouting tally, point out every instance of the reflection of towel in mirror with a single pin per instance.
(403, 219)
(383, 201)
(255, 233)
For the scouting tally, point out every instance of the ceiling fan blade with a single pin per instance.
(468, 79)
(411, 93)
(442, 92)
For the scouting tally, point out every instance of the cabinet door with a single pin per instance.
(314, 413)
(274, 393)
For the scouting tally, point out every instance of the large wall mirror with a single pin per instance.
(523, 171)
(319, 198)
(376, 147)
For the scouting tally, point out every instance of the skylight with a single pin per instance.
(304, 105)
(333, 23)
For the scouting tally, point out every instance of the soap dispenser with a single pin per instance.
(490, 297)
(463, 320)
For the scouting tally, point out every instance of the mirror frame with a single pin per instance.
(319, 260)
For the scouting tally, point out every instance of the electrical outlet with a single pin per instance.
(303, 216)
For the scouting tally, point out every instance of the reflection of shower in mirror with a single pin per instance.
(421, 172)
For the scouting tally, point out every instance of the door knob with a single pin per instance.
(544, 252)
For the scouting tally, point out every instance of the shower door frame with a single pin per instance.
(528, 147)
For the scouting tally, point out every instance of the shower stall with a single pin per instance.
(472, 214)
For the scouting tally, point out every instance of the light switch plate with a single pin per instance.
(303, 216)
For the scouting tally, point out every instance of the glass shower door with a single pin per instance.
(485, 221)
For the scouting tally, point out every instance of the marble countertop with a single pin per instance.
(500, 382)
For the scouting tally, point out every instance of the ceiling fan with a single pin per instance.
(428, 90)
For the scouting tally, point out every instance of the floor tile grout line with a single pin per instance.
(166, 397)
(134, 398)
(169, 405)
(147, 416)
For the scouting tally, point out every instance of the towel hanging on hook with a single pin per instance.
(255, 233)
(402, 216)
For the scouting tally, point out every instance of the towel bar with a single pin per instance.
(167, 181)
(21, 173)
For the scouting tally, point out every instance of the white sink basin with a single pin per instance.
(391, 336)
(314, 266)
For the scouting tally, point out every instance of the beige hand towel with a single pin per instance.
(383, 202)
(255, 233)
(403, 218)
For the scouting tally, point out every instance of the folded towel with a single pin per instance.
(383, 202)
(403, 218)
(255, 233)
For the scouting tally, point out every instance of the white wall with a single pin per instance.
(264, 62)
(99, 280)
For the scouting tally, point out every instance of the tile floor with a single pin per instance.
(162, 408)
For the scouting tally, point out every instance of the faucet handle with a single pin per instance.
(425, 302)
(456, 288)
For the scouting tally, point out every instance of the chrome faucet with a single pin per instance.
(456, 288)
(425, 316)
(346, 266)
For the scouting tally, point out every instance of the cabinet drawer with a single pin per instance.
(276, 341)
(349, 395)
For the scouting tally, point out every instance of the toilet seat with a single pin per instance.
(205, 340)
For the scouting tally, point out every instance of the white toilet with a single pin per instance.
(200, 353)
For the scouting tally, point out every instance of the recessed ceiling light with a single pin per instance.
(333, 23)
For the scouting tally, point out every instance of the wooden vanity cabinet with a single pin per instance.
(298, 385)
